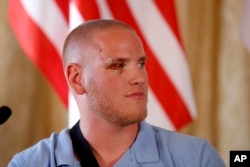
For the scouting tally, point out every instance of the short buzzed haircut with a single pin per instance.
(81, 38)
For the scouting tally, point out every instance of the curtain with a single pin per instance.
(220, 71)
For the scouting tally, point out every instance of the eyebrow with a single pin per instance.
(110, 60)
(143, 58)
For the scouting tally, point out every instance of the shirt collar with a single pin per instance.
(145, 146)
(64, 150)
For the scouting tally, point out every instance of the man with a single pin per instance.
(104, 64)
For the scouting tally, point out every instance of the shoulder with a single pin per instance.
(171, 138)
(44, 151)
(184, 148)
(177, 140)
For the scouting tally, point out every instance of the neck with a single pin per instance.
(108, 141)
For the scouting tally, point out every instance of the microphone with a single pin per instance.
(5, 113)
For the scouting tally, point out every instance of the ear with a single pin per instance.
(74, 76)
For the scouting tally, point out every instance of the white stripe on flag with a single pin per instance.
(73, 110)
(156, 114)
(46, 14)
(105, 12)
(75, 17)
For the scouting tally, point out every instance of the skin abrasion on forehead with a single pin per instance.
(108, 61)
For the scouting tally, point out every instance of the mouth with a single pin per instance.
(136, 95)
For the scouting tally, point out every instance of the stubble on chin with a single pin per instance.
(111, 109)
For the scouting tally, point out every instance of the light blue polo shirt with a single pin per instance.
(153, 147)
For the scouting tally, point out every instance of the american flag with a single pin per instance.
(41, 26)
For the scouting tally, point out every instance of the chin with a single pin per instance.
(132, 119)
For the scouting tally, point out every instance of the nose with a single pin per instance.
(138, 76)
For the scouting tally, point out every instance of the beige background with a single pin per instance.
(220, 70)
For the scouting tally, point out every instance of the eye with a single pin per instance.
(141, 64)
(117, 66)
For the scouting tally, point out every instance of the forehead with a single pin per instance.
(113, 35)
(118, 42)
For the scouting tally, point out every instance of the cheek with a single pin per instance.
(108, 83)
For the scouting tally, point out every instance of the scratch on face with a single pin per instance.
(108, 61)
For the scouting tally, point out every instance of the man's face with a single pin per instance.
(116, 80)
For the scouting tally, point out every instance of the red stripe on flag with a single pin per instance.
(160, 84)
(38, 48)
(64, 8)
(167, 9)
(88, 9)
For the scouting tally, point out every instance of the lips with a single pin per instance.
(137, 95)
